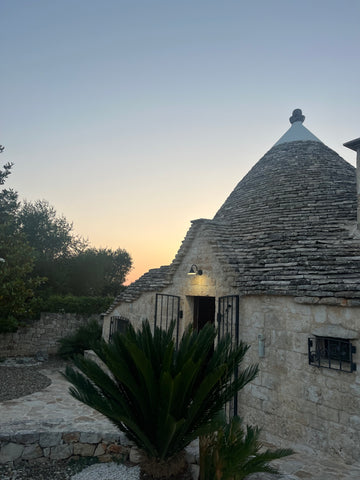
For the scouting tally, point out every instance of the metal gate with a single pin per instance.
(167, 309)
(228, 323)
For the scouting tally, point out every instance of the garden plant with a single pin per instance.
(233, 452)
(162, 397)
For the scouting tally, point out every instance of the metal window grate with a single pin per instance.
(118, 324)
(333, 353)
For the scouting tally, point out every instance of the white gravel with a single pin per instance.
(108, 471)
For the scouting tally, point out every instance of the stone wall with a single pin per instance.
(41, 335)
(213, 282)
(296, 404)
(61, 445)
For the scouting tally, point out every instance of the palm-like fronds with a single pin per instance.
(232, 453)
(160, 397)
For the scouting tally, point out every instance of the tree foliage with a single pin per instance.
(43, 254)
(98, 272)
(17, 284)
(50, 234)
(8, 198)
(70, 266)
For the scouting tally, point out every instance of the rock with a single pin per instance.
(100, 449)
(71, 437)
(135, 455)
(61, 451)
(84, 449)
(26, 437)
(90, 437)
(32, 451)
(11, 452)
(49, 439)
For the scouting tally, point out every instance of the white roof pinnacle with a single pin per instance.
(297, 132)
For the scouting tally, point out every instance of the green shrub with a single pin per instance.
(232, 453)
(71, 304)
(84, 339)
(8, 324)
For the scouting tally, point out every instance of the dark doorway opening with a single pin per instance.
(204, 311)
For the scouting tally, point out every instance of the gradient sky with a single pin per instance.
(134, 117)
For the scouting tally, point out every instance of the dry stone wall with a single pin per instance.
(55, 445)
(72, 445)
(41, 335)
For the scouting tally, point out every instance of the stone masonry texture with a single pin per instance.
(41, 335)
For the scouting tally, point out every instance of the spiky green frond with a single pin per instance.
(161, 397)
(232, 453)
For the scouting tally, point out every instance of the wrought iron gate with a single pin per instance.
(228, 323)
(167, 309)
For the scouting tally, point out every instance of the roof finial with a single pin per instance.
(297, 116)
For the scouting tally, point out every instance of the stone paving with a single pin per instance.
(51, 407)
(54, 408)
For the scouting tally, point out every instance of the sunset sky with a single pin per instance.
(133, 118)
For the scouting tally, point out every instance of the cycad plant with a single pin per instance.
(81, 340)
(232, 453)
(162, 397)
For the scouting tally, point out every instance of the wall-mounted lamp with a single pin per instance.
(261, 345)
(194, 270)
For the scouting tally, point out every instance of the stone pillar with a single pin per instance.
(355, 145)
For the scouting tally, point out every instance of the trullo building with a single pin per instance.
(279, 267)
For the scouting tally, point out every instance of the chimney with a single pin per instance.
(355, 145)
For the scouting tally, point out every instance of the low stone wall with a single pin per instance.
(62, 445)
(42, 335)
(36, 446)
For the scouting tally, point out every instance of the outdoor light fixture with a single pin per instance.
(194, 270)
(261, 344)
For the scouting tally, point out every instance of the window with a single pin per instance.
(330, 352)
(118, 324)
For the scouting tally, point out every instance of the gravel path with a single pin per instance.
(22, 377)
(16, 382)
(49, 470)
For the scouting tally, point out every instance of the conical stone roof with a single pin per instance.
(288, 227)
(291, 221)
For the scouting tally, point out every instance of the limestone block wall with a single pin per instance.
(296, 404)
(41, 335)
(136, 312)
(215, 281)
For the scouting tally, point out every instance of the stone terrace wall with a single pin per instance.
(41, 335)
(55, 445)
